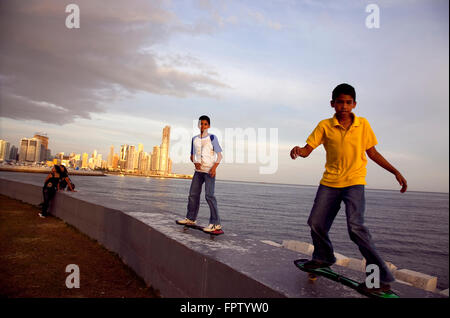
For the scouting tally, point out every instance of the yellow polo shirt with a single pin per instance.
(346, 150)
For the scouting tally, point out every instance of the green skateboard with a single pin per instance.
(328, 273)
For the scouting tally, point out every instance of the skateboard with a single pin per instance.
(198, 227)
(326, 272)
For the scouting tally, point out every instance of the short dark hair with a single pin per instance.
(345, 89)
(204, 117)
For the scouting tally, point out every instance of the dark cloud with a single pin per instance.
(54, 74)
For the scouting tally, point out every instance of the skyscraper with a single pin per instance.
(31, 150)
(164, 152)
(84, 161)
(111, 157)
(155, 159)
(4, 150)
(44, 144)
(131, 154)
(123, 157)
(13, 153)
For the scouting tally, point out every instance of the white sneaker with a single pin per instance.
(186, 222)
(41, 215)
(212, 228)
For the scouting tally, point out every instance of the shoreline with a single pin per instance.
(181, 176)
(47, 170)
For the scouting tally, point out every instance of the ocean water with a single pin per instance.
(410, 230)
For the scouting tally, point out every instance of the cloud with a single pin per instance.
(261, 19)
(54, 74)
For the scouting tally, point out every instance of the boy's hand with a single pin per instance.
(212, 172)
(198, 165)
(402, 182)
(302, 152)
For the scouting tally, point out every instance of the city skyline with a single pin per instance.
(251, 64)
(128, 159)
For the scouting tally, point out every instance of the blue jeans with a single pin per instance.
(194, 197)
(326, 206)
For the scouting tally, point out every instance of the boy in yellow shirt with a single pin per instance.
(347, 139)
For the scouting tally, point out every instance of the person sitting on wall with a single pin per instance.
(51, 186)
(65, 180)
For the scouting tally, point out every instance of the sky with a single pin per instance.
(133, 67)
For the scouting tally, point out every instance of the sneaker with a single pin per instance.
(42, 216)
(313, 264)
(186, 222)
(212, 228)
(383, 288)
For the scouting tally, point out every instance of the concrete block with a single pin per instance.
(417, 279)
(356, 264)
(391, 267)
(272, 243)
(341, 260)
(298, 246)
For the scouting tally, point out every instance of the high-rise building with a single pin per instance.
(85, 161)
(115, 162)
(111, 157)
(31, 150)
(123, 157)
(148, 163)
(169, 168)
(131, 154)
(155, 159)
(142, 160)
(98, 161)
(164, 152)
(4, 150)
(44, 144)
(137, 155)
(13, 153)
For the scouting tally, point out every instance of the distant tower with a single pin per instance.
(84, 160)
(42, 136)
(155, 159)
(115, 162)
(164, 154)
(131, 154)
(13, 153)
(111, 157)
(123, 156)
(4, 150)
(30, 150)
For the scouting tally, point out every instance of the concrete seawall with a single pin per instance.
(187, 263)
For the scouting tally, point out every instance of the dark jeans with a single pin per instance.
(48, 194)
(194, 197)
(326, 206)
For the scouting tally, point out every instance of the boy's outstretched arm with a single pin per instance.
(382, 162)
(302, 152)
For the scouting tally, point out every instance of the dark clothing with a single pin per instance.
(48, 191)
(64, 175)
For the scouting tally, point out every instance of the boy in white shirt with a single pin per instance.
(206, 155)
